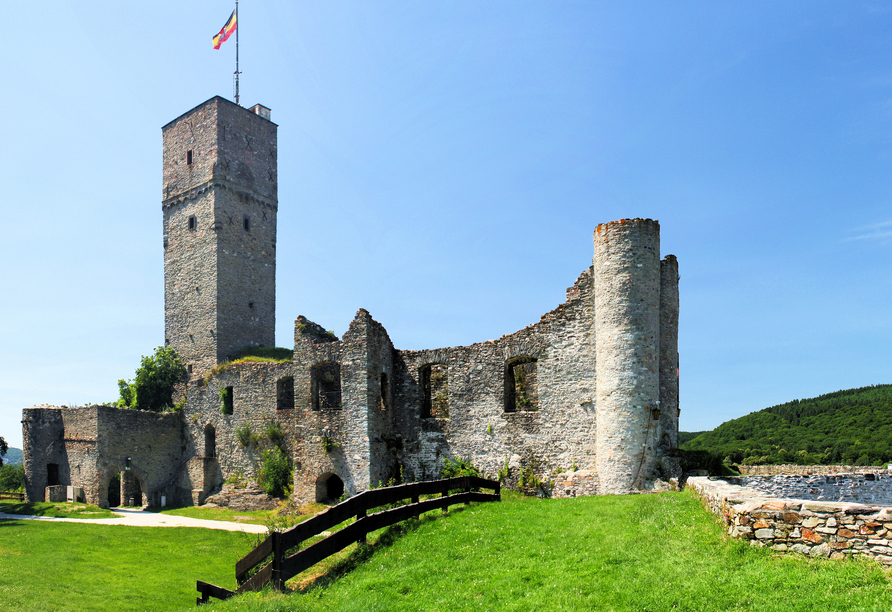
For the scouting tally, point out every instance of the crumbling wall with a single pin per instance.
(551, 433)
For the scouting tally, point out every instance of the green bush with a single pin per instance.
(275, 472)
(154, 382)
(456, 466)
(246, 436)
(12, 477)
(275, 434)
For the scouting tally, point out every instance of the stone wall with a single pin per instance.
(818, 529)
(86, 447)
(771, 470)
(865, 488)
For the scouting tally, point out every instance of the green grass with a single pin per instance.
(60, 509)
(77, 566)
(643, 553)
(647, 552)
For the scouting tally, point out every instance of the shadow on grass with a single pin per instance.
(329, 570)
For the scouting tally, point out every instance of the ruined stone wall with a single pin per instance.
(213, 449)
(770, 470)
(554, 433)
(89, 445)
(219, 204)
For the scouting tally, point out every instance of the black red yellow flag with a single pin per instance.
(226, 32)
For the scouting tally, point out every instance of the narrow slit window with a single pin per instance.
(285, 393)
(189, 157)
(435, 391)
(192, 222)
(247, 223)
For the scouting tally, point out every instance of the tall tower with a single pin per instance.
(627, 335)
(220, 202)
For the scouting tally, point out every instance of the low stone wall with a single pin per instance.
(874, 489)
(814, 528)
(792, 469)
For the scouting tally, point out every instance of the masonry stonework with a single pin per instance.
(584, 401)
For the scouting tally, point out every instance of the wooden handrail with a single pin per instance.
(282, 568)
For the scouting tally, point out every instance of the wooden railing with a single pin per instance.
(12, 495)
(283, 566)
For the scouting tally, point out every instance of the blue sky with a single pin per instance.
(444, 164)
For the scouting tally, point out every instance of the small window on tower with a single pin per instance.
(247, 223)
(189, 157)
(192, 222)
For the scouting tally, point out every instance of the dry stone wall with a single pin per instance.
(814, 528)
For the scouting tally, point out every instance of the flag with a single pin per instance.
(226, 32)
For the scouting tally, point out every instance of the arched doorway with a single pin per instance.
(329, 488)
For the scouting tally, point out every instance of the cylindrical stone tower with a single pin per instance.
(627, 336)
(669, 353)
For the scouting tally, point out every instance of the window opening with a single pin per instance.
(226, 396)
(247, 223)
(52, 474)
(210, 441)
(521, 385)
(189, 157)
(285, 393)
(192, 222)
(435, 391)
(114, 491)
(326, 384)
(384, 392)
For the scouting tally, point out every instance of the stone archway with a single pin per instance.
(329, 488)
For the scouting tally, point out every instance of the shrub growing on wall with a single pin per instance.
(154, 382)
(275, 472)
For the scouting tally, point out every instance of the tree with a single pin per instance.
(154, 382)
(4, 448)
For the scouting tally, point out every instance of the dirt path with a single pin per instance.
(141, 518)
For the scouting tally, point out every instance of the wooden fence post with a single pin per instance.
(278, 553)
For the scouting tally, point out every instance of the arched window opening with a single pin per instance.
(435, 391)
(329, 488)
(326, 383)
(384, 392)
(521, 385)
(285, 393)
(210, 441)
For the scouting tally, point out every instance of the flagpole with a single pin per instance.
(236, 52)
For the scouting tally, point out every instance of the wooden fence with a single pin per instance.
(279, 544)
(11, 495)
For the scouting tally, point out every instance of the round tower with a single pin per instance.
(627, 335)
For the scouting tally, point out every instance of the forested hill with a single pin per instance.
(13, 456)
(851, 427)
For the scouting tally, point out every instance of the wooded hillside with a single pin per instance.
(852, 427)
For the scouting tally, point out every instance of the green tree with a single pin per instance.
(154, 382)
(4, 448)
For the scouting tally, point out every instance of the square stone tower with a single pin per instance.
(220, 203)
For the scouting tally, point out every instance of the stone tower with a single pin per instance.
(636, 330)
(220, 203)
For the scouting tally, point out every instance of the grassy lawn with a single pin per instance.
(644, 553)
(60, 509)
(76, 566)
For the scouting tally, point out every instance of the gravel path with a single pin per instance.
(141, 518)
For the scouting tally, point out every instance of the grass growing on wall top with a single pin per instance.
(643, 552)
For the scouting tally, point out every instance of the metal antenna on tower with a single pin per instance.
(236, 53)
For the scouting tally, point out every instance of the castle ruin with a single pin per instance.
(583, 402)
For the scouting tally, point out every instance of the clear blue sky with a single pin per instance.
(443, 164)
